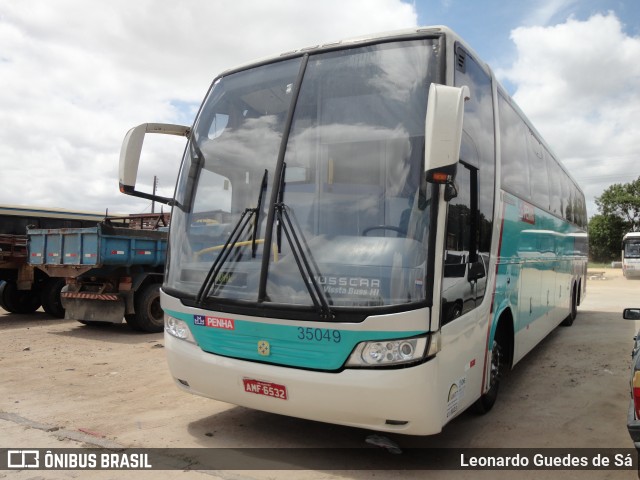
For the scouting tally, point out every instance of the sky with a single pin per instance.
(76, 75)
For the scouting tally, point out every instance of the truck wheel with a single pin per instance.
(50, 296)
(149, 316)
(2, 305)
(18, 301)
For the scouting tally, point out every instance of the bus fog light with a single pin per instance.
(388, 352)
(178, 329)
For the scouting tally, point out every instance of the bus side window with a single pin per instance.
(538, 175)
(555, 185)
(459, 291)
(477, 155)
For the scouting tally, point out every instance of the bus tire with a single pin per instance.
(149, 316)
(50, 297)
(18, 301)
(488, 399)
(573, 313)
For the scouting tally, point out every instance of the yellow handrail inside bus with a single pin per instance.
(245, 243)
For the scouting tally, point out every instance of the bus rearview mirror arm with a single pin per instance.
(443, 134)
(130, 156)
(450, 191)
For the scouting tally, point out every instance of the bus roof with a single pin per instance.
(362, 39)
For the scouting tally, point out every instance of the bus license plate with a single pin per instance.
(265, 388)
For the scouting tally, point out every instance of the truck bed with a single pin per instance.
(13, 250)
(77, 250)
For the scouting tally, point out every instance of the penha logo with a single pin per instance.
(219, 322)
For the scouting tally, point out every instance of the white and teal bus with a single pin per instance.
(631, 254)
(365, 233)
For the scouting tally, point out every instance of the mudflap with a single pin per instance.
(92, 310)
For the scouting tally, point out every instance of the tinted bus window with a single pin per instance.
(513, 141)
(555, 185)
(538, 175)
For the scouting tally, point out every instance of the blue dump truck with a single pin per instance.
(112, 273)
(24, 289)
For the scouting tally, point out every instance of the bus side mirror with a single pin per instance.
(631, 314)
(443, 132)
(130, 156)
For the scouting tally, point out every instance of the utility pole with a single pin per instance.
(155, 187)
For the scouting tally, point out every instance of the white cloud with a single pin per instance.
(579, 83)
(76, 75)
(545, 10)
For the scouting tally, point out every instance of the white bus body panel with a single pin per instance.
(354, 397)
(425, 396)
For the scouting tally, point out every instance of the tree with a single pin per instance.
(605, 237)
(619, 207)
(622, 201)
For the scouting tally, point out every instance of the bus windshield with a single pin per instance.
(318, 165)
(632, 248)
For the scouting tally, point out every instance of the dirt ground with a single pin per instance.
(68, 385)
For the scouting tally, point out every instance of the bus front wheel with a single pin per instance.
(488, 399)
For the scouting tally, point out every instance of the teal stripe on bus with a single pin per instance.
(302, 346)
(537, 255)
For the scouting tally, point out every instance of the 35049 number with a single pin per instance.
(319, 335)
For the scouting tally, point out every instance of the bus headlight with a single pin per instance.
(392, 352)
(178, 329)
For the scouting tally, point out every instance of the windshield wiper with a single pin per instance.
(256, 221)
(305, 262)
(280, 201)
(236, 234)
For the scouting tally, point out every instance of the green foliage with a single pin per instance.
(605, 237)
(619, 207)
(622, 201)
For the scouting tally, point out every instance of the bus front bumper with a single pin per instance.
(403, 400)
(631, 271)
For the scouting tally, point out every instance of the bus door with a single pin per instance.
(463, 288)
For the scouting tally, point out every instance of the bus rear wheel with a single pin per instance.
(573, 313)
